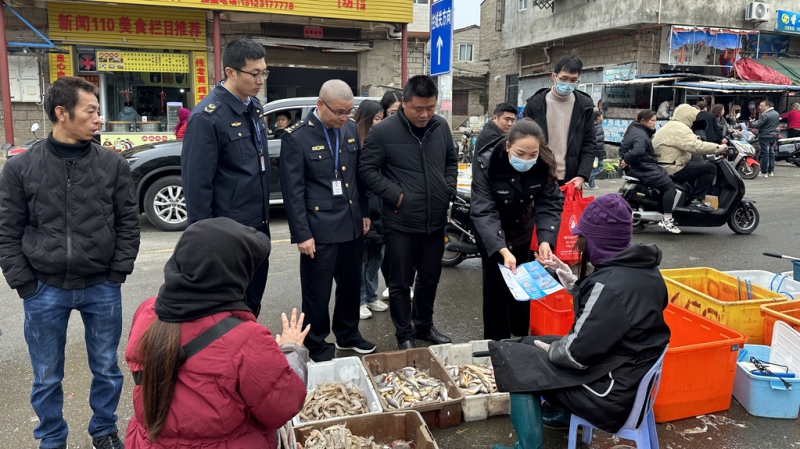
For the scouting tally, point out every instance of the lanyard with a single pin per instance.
(258, 136)
(336, 152)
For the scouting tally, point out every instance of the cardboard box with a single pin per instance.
(711, 201)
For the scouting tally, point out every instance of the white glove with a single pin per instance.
(563, 271)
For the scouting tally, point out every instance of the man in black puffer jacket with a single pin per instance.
(69, 234)
(410, 162)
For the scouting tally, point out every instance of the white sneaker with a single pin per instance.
(365, 313)
(669, 225)
(385, 294)
(764, 175)
(772, 173)
(378, 306)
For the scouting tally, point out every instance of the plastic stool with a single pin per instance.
(645, 433)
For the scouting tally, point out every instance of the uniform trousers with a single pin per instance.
(340, 262)
(503, 316)
(408, 251)
(255, 291)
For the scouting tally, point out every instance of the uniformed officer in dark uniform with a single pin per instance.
(328, 217)
(224, 161)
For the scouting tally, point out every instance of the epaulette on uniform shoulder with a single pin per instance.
(297, 125)
(212, 107)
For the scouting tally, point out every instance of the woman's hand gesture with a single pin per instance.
(293, 331)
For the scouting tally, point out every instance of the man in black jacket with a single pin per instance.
(565, 115)
(225, 167)
(503, 118)
(410, 162)
(69, 234)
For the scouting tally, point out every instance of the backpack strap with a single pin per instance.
(201, 341)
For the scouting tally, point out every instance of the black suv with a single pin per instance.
(156, 168)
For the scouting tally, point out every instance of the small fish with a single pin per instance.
(407, 387)
(330, 399)
(473, 379)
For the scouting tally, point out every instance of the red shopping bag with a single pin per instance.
(574, 204)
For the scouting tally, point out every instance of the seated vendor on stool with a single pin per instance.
(618, 335)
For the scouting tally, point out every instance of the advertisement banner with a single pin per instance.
(788, 22)
(200, 76)
(132, 61)
(60, 65)
(124, 141)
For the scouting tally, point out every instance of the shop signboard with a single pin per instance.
(126, 25)
(788, 22)
(124, 141)
(200, 76)
(134, 61)
(60, 65)
(392, 11)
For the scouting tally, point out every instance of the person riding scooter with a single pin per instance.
(675, 144)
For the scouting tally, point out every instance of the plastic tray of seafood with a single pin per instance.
(393, 430)
(415, 379)
(481, 399)
(336, 389)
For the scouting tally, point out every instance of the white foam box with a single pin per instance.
(479, 406)
(347, 370)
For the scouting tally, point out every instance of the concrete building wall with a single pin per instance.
(501, 62)
(422, 19)
(379, 68)
(576, 17)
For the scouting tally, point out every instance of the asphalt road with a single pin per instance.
(457, 314)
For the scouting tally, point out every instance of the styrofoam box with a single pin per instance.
(347, 370)
(479, 406)
(778, 283)
(767, 396)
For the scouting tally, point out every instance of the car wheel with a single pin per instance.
(165, 205)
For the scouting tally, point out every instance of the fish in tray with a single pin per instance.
(340, 437)
(409, 386)
(473, 379)
(333, 400)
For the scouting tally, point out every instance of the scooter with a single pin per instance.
(13, 150)
(788, 150)
(467, 148)
(459, 239)
(741, 154)
(734, 209)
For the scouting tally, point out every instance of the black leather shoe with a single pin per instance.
(408, 344)
(434, 337)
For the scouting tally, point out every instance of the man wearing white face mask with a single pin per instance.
(513, 188)
(565, 116)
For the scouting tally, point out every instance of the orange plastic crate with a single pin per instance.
(788, 312)
(699, 367)
(552, 315)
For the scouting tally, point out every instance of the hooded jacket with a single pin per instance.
(675, 143)
(618, 334)
(637, 151)
(581, 143)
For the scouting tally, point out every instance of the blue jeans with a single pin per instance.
(47, 314)
(767, 155)
(370, 265)
(595, 171)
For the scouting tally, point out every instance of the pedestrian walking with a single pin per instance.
(238, 385)
(600, 149)
(793, 118)
(328, 217)
(225, 167)
(503, 118)
(565, 116)
(513, 187)
(619, 306)
(69, 234)
(410, 162)
(767, 126)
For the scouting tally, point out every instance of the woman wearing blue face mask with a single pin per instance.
(509, 177)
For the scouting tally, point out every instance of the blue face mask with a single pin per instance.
(564, 88)
(522, 165)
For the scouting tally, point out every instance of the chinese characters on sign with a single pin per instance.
(60, 66)
(442, 18)
(127, 25)
(201, 76)
(129, 61)
(788, 21)
(312, 32)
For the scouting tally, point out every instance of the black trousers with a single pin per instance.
(340, 262)
(793, 132)
(503, 316)
(408, 251)
(700, 175)
(255, 291)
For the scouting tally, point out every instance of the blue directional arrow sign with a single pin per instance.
(441, 37)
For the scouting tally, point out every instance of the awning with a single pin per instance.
(326, 46)
(790, 67)
(637, 81)
(734, 87)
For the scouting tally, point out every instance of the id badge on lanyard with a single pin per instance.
(336, 183)
(261, 160)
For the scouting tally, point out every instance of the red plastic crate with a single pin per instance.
(552, 315)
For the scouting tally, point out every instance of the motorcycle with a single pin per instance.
(459, 238)
(466, 148)
(788, 150)
(734, 209)
(741, 154)
(13, 150)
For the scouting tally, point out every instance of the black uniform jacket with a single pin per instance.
(505, 203)
(307, 170)
(220, 160)
(637, 151)
(581, 142)
(618, 335)
(488, 134)
(424, 171)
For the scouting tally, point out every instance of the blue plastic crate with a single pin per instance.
(765, 395)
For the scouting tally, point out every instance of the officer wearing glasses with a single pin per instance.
(225, 167)
(328, 216)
